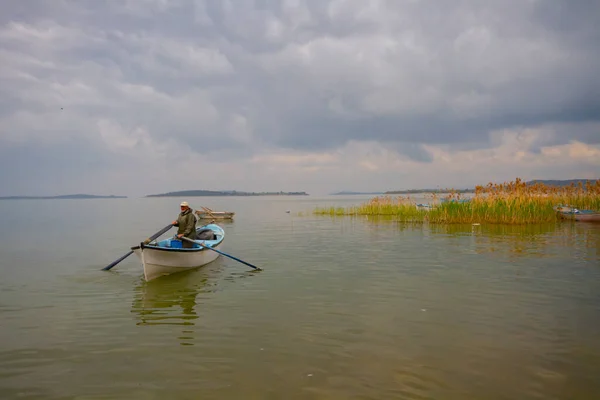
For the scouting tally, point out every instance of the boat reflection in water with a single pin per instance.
(174, 299)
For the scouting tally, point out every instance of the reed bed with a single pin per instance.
(507, 203)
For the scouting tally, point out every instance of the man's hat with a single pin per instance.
(184, 203)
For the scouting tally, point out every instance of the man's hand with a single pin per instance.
(174, 222)
(180, 235)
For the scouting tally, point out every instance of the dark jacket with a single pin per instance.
(186, 223)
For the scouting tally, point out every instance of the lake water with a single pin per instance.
(345, 308)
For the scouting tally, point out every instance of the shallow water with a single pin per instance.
(345, 307)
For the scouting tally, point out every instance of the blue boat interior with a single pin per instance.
(577, 211)
(563, 209)
(208, 235)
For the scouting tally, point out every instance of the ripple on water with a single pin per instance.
(343, 309)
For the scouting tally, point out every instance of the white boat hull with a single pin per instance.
(167, 256)
(159, 263)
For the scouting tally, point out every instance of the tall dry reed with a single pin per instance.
(509, 203)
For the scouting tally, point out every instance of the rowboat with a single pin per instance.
(561, 208)
(214, 214)
(575, 214)
(424, 207)
(168, 256)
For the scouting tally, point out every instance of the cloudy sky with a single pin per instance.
(134, 97)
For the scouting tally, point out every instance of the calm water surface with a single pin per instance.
(345, 307)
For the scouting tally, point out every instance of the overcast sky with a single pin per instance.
(133, 97)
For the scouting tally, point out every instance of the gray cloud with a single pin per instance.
(240, 78)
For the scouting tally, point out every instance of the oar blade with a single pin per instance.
(234, 258)
(117, 261)
(223, 253)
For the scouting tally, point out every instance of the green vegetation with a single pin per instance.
(508, 203)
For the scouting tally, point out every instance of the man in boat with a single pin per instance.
(186, 223)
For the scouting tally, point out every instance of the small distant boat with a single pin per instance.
(215, 215)
(561, 208)
(574, 214)
(207, 213)
(168, 256)
(424, 207)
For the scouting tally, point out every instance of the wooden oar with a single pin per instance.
(151, 238)
(220, 252)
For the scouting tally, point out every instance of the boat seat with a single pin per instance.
(206, 234)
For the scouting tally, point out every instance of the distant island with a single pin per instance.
(566, 182)
(200, 193)
(413, 191)
(63, 197)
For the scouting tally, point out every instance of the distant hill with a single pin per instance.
(413, 191)
(549, 182)
(63, 197)
(200, 193)
(566, 182)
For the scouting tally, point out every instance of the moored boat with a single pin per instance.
(168, 256)
(561, 208)
(424, 207)
(574, 214)
(214, 214)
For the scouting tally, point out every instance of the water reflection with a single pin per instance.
(539, 240)
(580, 240)
(174, 299)
(515, 241)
